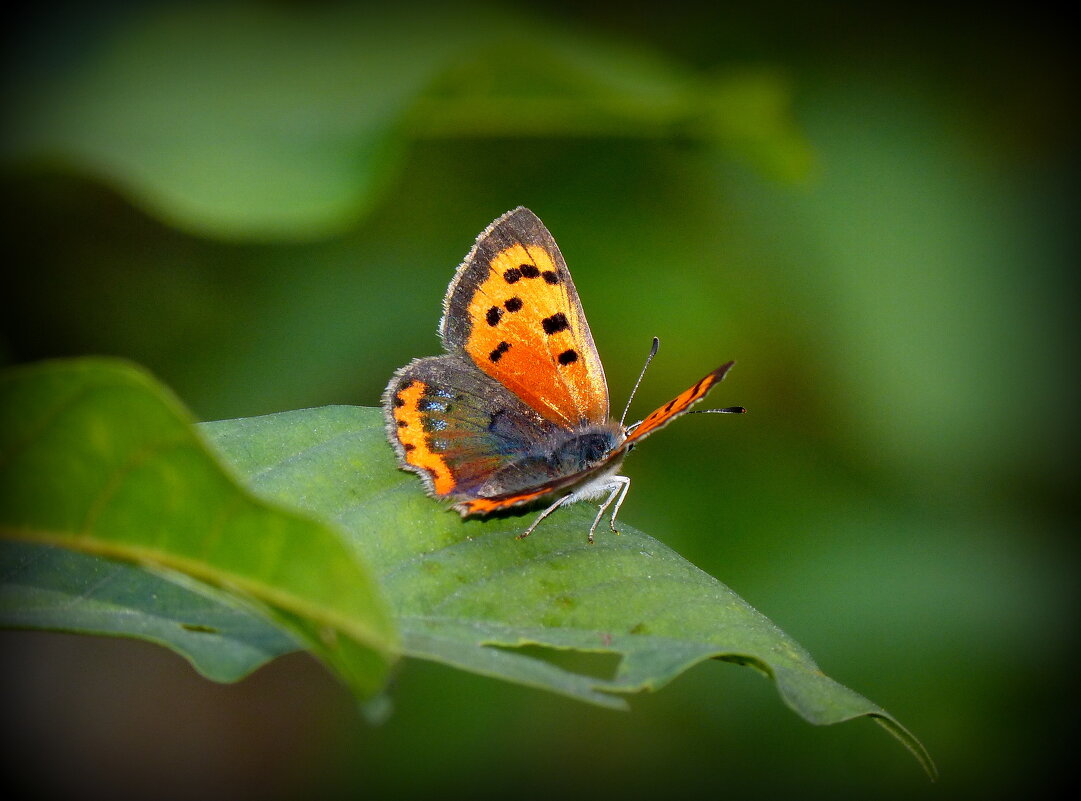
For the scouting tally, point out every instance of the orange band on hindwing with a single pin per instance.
(485, 505)
(415, 447)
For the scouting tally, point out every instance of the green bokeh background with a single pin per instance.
(879, 225)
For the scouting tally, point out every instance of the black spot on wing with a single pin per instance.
(500, 349)
(402, 387)
(569, 356)
(513, 304)
(554, 324)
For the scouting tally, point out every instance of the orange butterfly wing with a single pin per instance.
(662, 416)
(513, 309)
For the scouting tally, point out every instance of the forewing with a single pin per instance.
(512, 309)
(659, 418)
(455, 427)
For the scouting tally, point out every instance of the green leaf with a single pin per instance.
(92, 457)
(469, 594)
(45, 587)
(95, 456)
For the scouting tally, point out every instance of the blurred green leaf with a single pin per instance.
(95, 456)
(45, 587)
(236, 120)
(749, 113)
(267, 122)
(471, 595)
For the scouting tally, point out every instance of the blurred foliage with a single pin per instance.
(277, 232)
(268, 123)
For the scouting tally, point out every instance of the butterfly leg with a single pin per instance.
(619, 486)
(543, 515)
(626, 485)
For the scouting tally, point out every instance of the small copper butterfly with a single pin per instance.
(517, 408)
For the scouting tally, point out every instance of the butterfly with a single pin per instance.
(516, 410)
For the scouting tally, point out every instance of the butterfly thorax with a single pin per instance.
(561, 460)
(586, 448)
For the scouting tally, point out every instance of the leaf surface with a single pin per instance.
(469, 594)
(96, 457)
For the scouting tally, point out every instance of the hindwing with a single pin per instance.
(457, 428)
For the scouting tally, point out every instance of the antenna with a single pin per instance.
(726, 410)
(649, 358)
